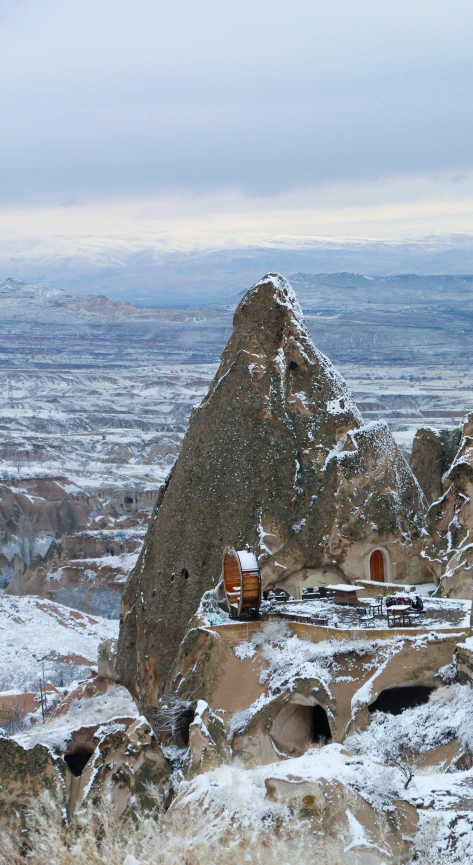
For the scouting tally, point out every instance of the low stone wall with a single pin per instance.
(464, 665)
(372, 589)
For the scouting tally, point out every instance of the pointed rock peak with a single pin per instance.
(272, 357)
(269, 314)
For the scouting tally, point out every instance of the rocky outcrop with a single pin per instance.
(107, 660)
(432, 454)
(25, 774)
(276, 456)
(207, 739)
(450, 523)
(129, 764)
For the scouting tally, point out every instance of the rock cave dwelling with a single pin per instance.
(297, 575)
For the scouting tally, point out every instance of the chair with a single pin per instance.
(365, 617)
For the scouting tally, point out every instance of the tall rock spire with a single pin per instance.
(275, 456)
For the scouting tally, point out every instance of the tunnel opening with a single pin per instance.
(393, 701)
(78, 759)
(321, 731)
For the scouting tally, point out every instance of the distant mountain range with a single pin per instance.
(147, 273)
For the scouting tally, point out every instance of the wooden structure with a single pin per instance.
(377, 566)
(242, 581)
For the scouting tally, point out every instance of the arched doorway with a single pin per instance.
(377, 566)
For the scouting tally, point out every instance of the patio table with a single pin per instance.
(400, 612)
(346, 594)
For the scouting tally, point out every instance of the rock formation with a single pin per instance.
(276, 456)
(450, 522)
(432, 454)
(25, 774)
(126, 763)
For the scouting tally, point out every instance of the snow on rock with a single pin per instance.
(448, 715)
(235, 787)
(251, 469)
(101, 709)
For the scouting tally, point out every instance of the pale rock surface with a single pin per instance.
(127, 763)
(207, 739)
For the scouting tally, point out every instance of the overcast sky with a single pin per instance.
(336, 117)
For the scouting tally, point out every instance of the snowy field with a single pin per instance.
(36, 633)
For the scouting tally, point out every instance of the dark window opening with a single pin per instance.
(342, 403)
(186, 721)
(185, 573)
(321, 731)
(129, 500)
(396, 700)
(78, 760)
(293, 366)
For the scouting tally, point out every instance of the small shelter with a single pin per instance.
(242, 581)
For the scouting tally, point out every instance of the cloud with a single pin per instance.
(107, 101)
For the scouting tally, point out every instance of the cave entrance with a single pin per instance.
(185, 723)
(321, 731)
(78, 759)
(296, 727)
(377, 566)
(393, 701)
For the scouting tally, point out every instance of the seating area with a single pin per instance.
(322, 607)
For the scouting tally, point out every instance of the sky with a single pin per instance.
(215, 123)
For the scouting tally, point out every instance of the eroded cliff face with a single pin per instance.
(433, 452)
(450, 522)
(275, 456)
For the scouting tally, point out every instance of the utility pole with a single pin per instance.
(41, 695)
(45, 698)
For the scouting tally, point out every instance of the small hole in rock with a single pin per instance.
(78, 759)
(185, 573)
(293, 366)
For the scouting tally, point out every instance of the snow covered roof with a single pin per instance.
(248, 560)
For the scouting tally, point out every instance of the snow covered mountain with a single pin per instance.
(23, 300)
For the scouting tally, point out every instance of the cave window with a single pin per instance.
(393, 701)
(185, 573)
(293, 366)
(78, 759)
(321, 731)
(128, 500)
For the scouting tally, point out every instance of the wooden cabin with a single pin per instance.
(242, 581)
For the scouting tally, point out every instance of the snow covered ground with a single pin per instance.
(35, 632)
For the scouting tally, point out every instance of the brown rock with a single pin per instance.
(276, 456)
(128, 763)
(432, 454)
(450, 523)
(26, 773)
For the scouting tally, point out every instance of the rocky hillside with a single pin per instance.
(276, 456)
